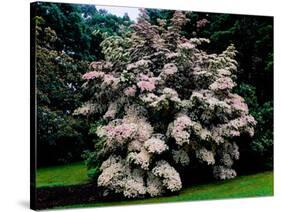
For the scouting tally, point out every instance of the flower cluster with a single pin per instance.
(130, 91)
(93, 74)
(179, 129)
(146, 83)
(205, 156)
(159, 102)
(117, 134)
(107, 79)
(238, 104)
(117, 176)
(170, 177)
(243, 124)
(155, 145)
(141, 158)
(168, 70)
(222, 84)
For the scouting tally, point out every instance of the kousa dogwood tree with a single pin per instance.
(165, 103)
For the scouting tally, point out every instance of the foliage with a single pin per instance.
(93, 173)
(263, 141)
(167, 104)
(79, 27)
(92, 158)
(261, 146)
(58, 78)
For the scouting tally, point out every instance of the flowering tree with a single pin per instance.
(166, 104)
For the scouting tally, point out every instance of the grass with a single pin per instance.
(254, 185)
(71, 174)
(243, 186)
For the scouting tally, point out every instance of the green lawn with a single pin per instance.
(243, 186)
(260, 184)
(72, 174)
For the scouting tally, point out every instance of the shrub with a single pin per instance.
(166, 104)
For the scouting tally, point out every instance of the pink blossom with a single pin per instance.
(120, 133)
(146, 85)
(96, 65)
(223, 83)
(169, 69)
(130, 91)
(138, 64)
(179, 129)
(239, 125)
(154, 185)
(144, 131)
(249, 120)
(93, 74)
(237, 102)
(109, 79)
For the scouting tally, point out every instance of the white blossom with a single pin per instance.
(155, 145)
(205, 156)
(170, 177)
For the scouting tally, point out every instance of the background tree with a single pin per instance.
(67, 37)
(74, 25)
(60, 137)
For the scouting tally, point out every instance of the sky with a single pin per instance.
(120, 11)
